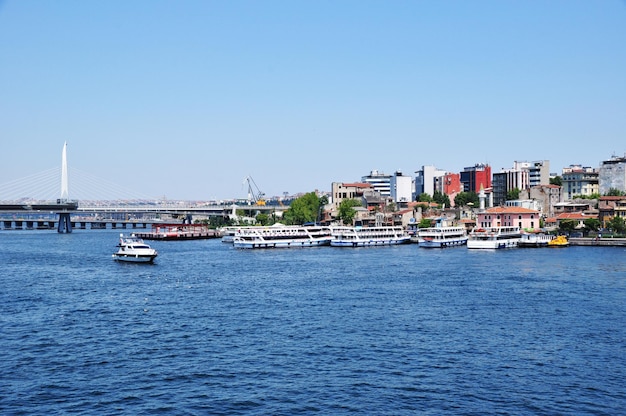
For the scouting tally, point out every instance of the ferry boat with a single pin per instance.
(494, 237)
(133, 249)
(560, 241)
(282, 236)
(440, 237)
(228, 233)
(369, 236)
(165, 231)
(535, 240)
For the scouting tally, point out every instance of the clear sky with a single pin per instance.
(185, 99)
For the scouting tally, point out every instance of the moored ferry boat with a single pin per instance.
(282, 236)
(535, 240)
(369, 236)
(494, 237)
(440, 237)
(560, 241)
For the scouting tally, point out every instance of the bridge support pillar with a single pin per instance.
(65, 224)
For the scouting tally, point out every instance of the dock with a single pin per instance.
(161, 231)
(600, 242)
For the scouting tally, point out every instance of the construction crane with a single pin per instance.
(254, 193)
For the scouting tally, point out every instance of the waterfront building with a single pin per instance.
(379, 181)
(538, 172)
(612, 175)
(579, 180)
(425, 180)
(523, 218)
(449, 184)
(475, 178)
(341, 191)
(547, 196)
(578, 217)
(401, 188)
(522, 176)
(610, 207)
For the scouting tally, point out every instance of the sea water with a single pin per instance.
(209, 329)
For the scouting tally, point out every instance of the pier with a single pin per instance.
(599, 242)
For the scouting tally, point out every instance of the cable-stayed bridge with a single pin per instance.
(47, 194)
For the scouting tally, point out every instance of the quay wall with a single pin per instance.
(602, 242)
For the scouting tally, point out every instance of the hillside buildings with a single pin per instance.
(538, 197)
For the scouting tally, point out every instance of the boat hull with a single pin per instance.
(238, 243)
(454, 242)
(493, 244)
(370, 243)
(134, 258)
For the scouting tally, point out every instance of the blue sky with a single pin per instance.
(185, 99)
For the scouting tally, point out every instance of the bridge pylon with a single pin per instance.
(65, 223)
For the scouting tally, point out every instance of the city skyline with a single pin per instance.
(190, 98)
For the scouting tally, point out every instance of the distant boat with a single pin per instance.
(440, 237)
(369, 236)
(134, 249)
(165, 231)
(494, 237)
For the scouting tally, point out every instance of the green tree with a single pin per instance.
(567, 226)
(441, 198)
(615, 192)
(425, 223)
(618, 225)
(591, 224)
(347, 211)
(262, 219)
(303, 209)
(464, 198)
(557, 180)
(513, 194)
(424, 197)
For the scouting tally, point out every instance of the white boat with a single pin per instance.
(369, 236)
(535, 240)
(440, 237)
(134, 249)
(282, 236)
(228, 234)
(494, 237)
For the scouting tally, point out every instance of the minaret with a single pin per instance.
(482, 197)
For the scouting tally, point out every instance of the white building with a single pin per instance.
(425, 180)
(401, 188)
(379, 181)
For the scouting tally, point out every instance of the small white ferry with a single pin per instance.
(282, 236)
(535, 240)
(494, 237)
(369, 236)
(441, 237)
(134, 249)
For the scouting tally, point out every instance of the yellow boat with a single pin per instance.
(559, 241)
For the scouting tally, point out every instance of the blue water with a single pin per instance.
(392, 330)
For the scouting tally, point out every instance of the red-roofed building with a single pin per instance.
(508, 217)
(578, 217)
(611, 206)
